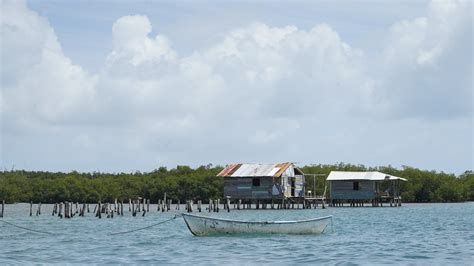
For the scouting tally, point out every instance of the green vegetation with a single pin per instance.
(185, 183)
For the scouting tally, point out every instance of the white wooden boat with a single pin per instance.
(200, 225)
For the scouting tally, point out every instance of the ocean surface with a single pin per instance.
(412, 234)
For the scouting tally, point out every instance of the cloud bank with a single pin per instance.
(261, 93)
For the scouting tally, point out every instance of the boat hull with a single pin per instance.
(199, 225)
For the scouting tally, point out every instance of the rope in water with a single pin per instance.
(146, 227)
(119, 233)
(25, 228)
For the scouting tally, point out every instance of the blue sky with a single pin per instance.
(125, 86)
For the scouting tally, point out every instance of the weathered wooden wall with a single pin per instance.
(242, 188)
(344, 189)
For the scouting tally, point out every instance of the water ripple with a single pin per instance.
(412, 234)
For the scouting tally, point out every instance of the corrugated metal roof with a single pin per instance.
(255, 169)
(376, 176)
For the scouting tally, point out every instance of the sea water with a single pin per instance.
(411, 234)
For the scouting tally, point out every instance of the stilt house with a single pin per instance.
(363, 186)
(263, 181)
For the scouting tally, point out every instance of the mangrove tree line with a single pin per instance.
(185, 183)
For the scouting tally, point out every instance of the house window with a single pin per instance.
(256, 182)
(356, 185)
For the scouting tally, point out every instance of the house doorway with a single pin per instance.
(292, 186)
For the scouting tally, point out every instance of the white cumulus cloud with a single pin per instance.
(261, 93)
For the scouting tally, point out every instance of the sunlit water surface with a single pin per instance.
(411, 234)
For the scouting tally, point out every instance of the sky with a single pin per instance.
(124, 86)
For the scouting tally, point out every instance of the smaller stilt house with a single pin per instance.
(262, 181)
(359, 187)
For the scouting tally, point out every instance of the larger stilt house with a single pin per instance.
(263, 181)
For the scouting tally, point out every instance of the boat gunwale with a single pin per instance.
(257, 222)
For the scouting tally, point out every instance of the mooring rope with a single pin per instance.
(28, 229)
(146, 227)
(119, 233)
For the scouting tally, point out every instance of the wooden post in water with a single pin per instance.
(129, 205)
(66, 209)
(164, 202)
(199, 205)
(238, 204)
(228, 204)
(98, 213)
(60, 213)
(38, 211)
(148, 205)
(3, 208)
(218, 202)
(88, 208)
(31, 208)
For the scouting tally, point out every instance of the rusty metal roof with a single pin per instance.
(247, 169)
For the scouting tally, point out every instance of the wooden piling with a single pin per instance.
(228, 204)
(164, 200)
(60, 213)
(38, 211)
(99, 211)
(66, 209)
(148, 205)
(3, 208)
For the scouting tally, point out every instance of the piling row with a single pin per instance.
(141, 206)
